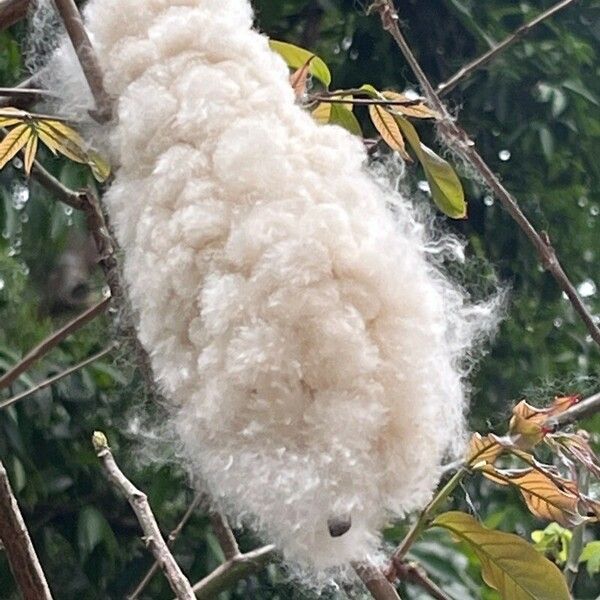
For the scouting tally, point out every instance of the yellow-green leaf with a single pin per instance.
(14, 141)
(591, 555)
(446, 189)
(48, 140)
(30, 152)
(371, 91)
(388, 129)
(509, 564)
(62, 138)
(100, 167)
(296, 57)
(322, 113)
(553, 542)
(9, 121)
(12, 116)
(340, 115)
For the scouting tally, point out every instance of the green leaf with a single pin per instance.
(446, 188)
(91, 529)
(100, 167)
(591, 555)
(579, 88)
(19, 477)
(509, 564)
(554, 542)
(340, 115)
(296, 57)
(369, 89)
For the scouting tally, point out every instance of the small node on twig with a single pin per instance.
(99, 441)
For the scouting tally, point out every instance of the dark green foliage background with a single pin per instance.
(540, 101)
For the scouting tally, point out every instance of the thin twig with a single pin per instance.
(225, 535)
(361, 101)
(423, 521)
(12, 11)
(170, 541)
(459, 141)
(139, 503)
(586, 408)
(375, 581)
(87, 57)
(227, 574)
(74, 199)
(28, 83)
(466, 71)
(52, 341)
(23, 560)
(27, 115)
(55, 378)
(412, 572)
(22, 93)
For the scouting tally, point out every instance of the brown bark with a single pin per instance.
(12, 11)
(22, 558)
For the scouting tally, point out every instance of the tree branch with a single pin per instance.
(23, 93)
(225, 535)
(29, 83)
(52, 341)
(459, 141)
(23, 560)
(412, 572)
(170, 541)
(12, 11)
(139, 503)
(328, 99)
(586, 408)
(52, 380)
(375, 581)
(224, 576)
(87, 58)
(75, 200)
(481, 61)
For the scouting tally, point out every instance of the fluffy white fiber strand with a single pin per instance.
(312, 355)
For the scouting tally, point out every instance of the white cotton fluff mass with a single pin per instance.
(311, 353)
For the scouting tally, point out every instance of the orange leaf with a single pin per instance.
(483, 449)
(388, 128)
(576, 448)
(547, 496)
(299, 78)
(528, 423)
(561, 404)
(417, 110)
